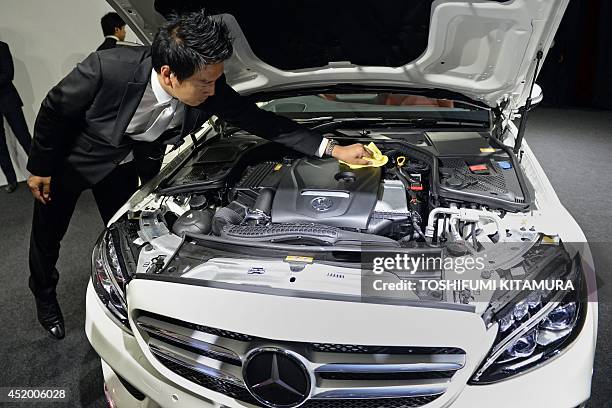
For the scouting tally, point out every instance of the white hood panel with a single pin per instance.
(484, 50)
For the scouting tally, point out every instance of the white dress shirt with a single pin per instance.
(154, 100)
(322, 147)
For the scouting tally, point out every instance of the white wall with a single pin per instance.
(47, 38)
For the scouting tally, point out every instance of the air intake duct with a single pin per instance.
(232, 214)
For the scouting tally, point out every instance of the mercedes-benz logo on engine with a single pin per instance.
(322, 203)
(276, 378)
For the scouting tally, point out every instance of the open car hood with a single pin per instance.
(485, 50)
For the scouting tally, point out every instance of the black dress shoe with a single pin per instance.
(10, 187)
(50, 317)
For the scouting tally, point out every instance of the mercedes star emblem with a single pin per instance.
(322, 203)
(276, 378)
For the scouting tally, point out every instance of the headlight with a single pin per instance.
(108, 278)
(534, 329)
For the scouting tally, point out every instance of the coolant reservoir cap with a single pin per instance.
(197, 202)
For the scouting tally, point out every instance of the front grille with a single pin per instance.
(339, 348)
(204, 353)
(352, 348)
(208, 381)
(391, 376)
(242, 394)
(205, 329)
(410, 402)
(347, 375)
(318, 347)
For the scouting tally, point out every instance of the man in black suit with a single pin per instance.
(113, 28)
(92, 122)
(145, 155)
(10, 108)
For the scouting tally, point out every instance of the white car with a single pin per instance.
(450, 276)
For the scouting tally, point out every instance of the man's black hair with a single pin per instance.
(190, 41)
(110, 21)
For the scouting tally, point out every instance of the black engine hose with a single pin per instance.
(233, 214)
(264, 201)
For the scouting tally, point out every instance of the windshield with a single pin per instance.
(385, 105)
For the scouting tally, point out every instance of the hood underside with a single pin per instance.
(484, 49)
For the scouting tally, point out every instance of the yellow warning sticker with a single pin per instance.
(278, 167)
(487, 150)
(294, 258)
(547, 239)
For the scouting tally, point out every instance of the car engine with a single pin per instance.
(318, 200)
(324, 191)
(241, 190)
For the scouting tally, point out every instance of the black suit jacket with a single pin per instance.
(9, 98)
(107, 44)
(148, 156)
(82, 121)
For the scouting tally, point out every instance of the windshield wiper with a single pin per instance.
(317, 119)
(428, 122)
(408, 122)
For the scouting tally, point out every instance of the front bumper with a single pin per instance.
(563, 382)
(121, 355)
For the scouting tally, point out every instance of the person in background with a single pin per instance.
(113, 28)
(10, 108)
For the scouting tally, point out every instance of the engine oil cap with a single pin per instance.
(506, 165)
(453, 182)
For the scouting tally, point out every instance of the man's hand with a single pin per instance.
(353, 154)
(40, 188)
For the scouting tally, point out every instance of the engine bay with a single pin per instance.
(245, 189)
(242, 210)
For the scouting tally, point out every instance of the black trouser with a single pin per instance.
(18, 125)
(51, 220)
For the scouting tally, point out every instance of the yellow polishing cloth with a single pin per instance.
(378, 159)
